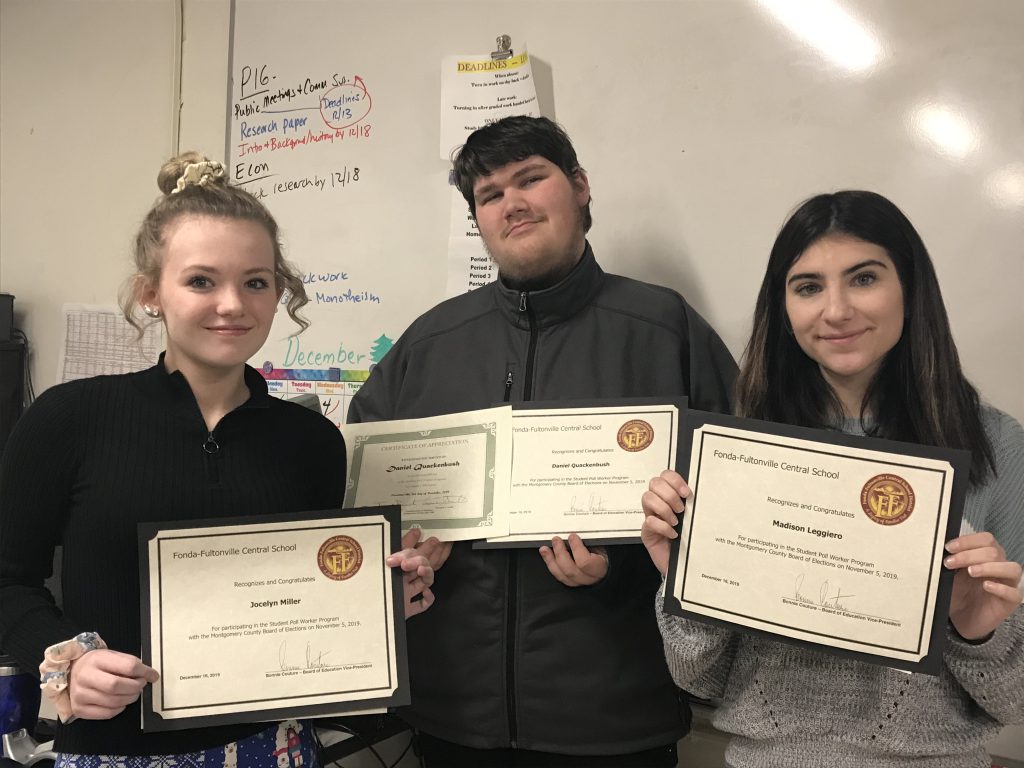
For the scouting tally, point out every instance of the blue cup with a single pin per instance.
(19, 697)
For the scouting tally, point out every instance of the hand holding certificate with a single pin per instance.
(580, 469)
(573, 470)
(291, 615)
(818, 537)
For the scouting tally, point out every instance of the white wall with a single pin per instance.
(85, 121)
(701, 126)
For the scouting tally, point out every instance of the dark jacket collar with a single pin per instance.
(557, 303)
(173, 388)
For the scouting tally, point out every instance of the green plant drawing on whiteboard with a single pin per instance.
(380, 348)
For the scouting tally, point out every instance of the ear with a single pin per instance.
(145, 292)
(581, 185)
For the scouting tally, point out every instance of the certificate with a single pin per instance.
(293, 615)
(450, 474)
(819, 537)
(583, 469)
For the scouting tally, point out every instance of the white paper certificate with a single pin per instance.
(450, 474)
(818, 541)
(583, 470)
(253, 621)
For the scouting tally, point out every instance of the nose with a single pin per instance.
(229, 302)
(838, 308)
(515, 202)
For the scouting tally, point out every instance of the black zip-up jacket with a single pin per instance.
(508, 656)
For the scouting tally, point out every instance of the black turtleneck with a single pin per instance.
(93, 458)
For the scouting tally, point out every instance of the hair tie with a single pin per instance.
(53, 672)
(199, 173)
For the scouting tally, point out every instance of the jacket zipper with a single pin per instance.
(532, 351)
(512, 591)
(510, 633)
(508, 386)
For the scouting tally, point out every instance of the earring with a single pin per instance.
(151, 311)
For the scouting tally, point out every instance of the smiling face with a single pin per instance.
(844, 302)
(530, 218)
(216, 292)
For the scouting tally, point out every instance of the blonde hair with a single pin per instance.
(191, 185)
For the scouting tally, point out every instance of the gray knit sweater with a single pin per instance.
(789, 707)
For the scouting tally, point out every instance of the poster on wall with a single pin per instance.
(477, 90)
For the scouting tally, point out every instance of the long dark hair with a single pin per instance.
(919, 394)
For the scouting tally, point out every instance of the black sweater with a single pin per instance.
(91, 459)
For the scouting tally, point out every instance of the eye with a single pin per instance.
(199, 281)
(489, 198)
(864, 278)
(529, 181)
(257, 284)
(807, 289)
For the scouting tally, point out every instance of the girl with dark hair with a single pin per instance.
(195, 437)
(850, 333)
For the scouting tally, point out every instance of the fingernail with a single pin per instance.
(971, 569)
(952, 546)
(949, 561)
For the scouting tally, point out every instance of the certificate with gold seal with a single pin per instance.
(581, 468)
(280, 616)
(818, 537)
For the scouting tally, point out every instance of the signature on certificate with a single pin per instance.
(825, 598)
(594, 504)
(433, 499)
(314, 659)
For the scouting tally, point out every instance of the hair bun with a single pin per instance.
(186, 169)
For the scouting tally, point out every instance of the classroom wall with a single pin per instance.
(694, 165)
(89, 96)
(86, 116)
